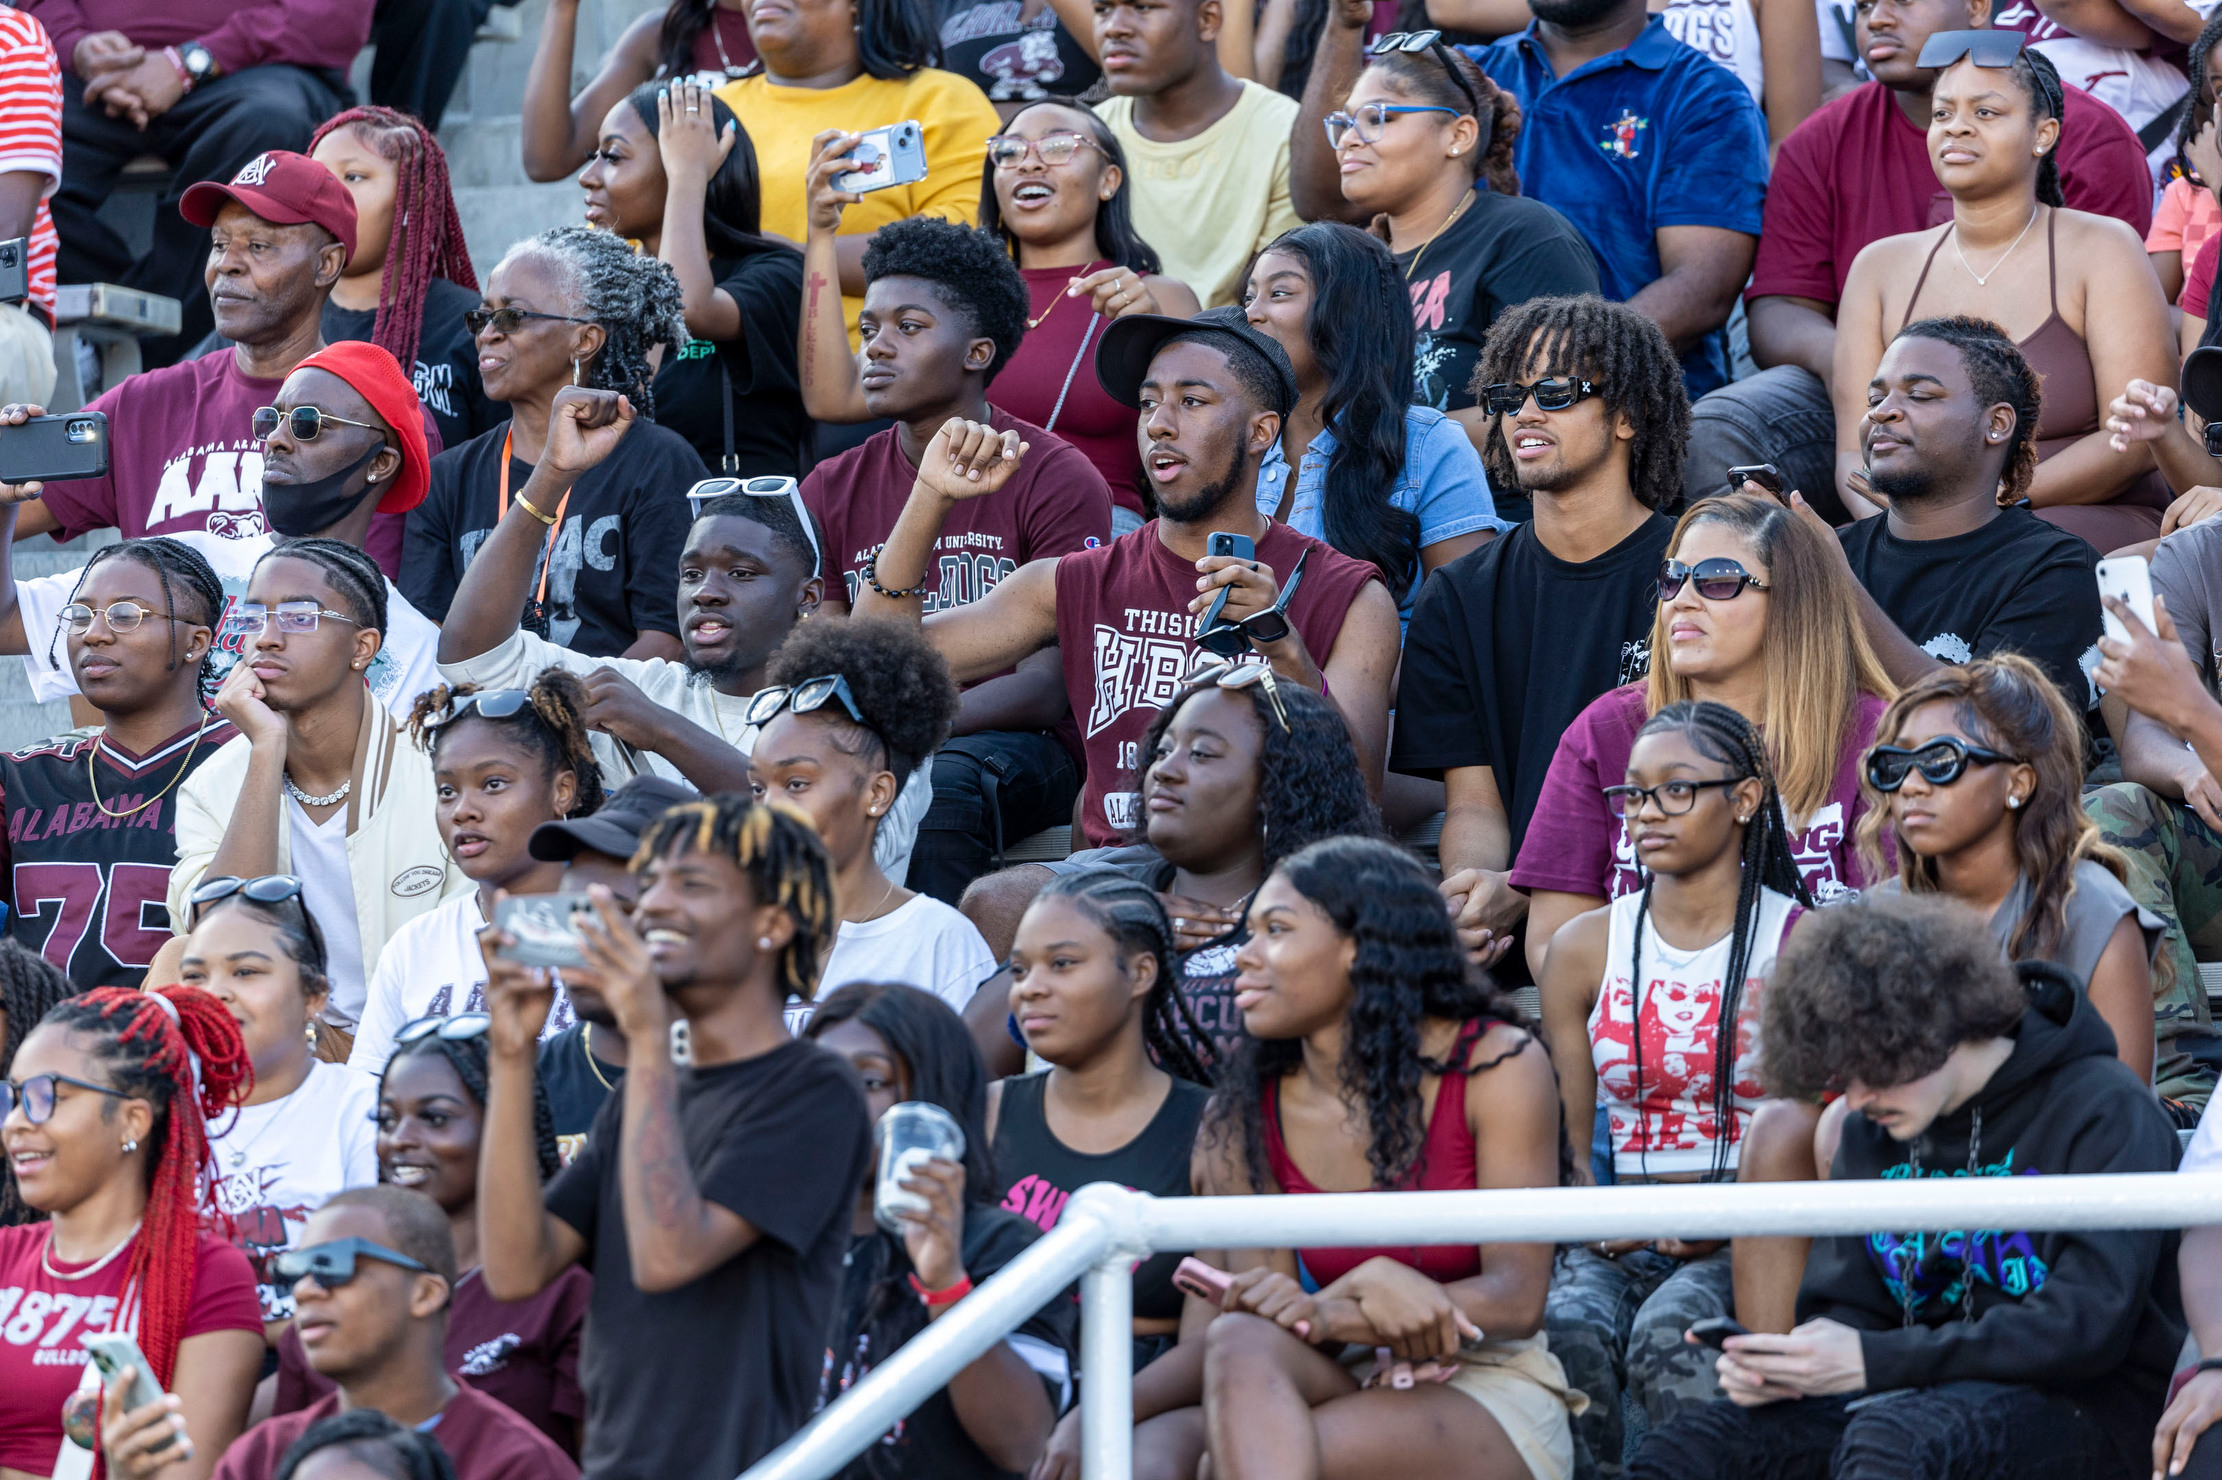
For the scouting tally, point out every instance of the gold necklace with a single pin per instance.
(92, 775)
(1033, 324)
(1438, 231)
(586, 1041)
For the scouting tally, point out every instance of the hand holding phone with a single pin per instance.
(1204, 1282)
(892, 155)
(40, 448)
(2129, 579)
(128, 1386)
(1226, 546)
(1715, 1330)
(543, 929)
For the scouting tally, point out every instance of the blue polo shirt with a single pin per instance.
(1653, 135)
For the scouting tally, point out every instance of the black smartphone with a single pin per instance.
(15, 270)
(1717, 1329)
(1766, 475)
(1241, 547)
(45, 448)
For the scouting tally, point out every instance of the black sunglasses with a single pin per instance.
(1554, 394)
(333, 1264)
(36, 1095)
(1233, 639)
(510, 320)
(268, 889)
(807, 697)
(305, 422)
(454, 1029)
(1999, 48)
(490, 704)
(1941, 762)
(1411, 43)
(1718, 579)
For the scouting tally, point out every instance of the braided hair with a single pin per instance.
(374, 1441)
(1421, 76)
(634, 299)
(30, 986)
(177, 1048)
(778, 850)
(1117, 241)
(552, 726)
(1130, 913)
(179, 567)
(1997, 372)
(351, 574)
(427, 239)
(467, 1057)
(1719, 733)
(1619, 349)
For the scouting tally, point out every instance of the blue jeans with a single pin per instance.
(1781, 416)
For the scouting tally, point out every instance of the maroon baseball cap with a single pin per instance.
(281, 187)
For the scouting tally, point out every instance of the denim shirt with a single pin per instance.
(1442, 482)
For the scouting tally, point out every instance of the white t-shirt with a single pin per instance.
(2204, 1154)
(407, 663)
(277, 1163)
(328, 891)
(924, 943)
(431, 968)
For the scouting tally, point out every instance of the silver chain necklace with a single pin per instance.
(1982, 279)
(324, 801)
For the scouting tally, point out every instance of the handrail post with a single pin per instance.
(1107, 1370)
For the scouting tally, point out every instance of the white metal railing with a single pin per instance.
(1106, 1228)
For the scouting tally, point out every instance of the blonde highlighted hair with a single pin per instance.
(1817, 660)
(778, 851)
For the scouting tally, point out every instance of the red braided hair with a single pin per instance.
(423, 199)
(193, 1067)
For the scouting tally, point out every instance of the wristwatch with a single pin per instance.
(194, 64)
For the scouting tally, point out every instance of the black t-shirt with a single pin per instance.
(879, 1311)
(770, 429)
(616, 547)
(700, 1382)
(1508, 644)
(2015, 585)
(1500, 252)
(576, 1081)
(1014, 61)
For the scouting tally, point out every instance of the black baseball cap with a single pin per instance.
(1123, 355)
(616, 828)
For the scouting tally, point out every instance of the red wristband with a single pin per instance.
(935, 1299)
(176, 60)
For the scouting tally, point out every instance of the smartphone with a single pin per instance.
(1766, 475)
(117, 1355)
(1717, 1329)
(1201, 1280)
(15, 270)
(543, 928)
(1241, 547)
(72, 445)
(894, 155)
(2129, 578)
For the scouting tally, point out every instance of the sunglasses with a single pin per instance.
(1366, 123)
(1008, 153)
(36, 1095)
(1718, 579)
(490, 704)
(1412, 43)
(1554, 394)
(1252, 672)
(251, 618)
(1941, 762)
(510, 320)
(454, 1029)
(766, 487)
(304, 422)
(2000, 48)
(268, 889)
(333, 1264)
(123, 616)
(1234, 639)
(1672, 798)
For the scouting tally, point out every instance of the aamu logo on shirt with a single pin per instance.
(221, 481)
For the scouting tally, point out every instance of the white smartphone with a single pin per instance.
(2128, 578)
(117, 1355)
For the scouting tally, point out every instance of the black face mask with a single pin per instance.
(297, 509)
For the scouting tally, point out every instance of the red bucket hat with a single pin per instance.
(281, 187)
(377, 378)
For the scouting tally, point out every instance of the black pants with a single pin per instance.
(1955, 1431)
(990, 790)
(214, 130)
(422, 48)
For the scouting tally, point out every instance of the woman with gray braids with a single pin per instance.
(572, 306)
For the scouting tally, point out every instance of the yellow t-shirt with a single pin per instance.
(955, 115)
(1209, 203)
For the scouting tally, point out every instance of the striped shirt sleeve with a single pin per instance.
(31, 130)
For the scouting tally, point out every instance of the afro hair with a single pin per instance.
(970, 270)
(900, 683)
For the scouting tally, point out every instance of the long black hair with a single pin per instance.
(733, 202)
(30, 986)
(2039, 81)
(1408, 968)
(1130, 913)
(1719, 733)
(1116, 239)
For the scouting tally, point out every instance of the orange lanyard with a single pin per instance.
(547, 556)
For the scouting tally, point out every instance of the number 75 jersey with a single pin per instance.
(91, 839)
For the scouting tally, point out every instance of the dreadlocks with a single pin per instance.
(178, 1048)
(635, 299)
(1131, 914)
(30, 986)
(467, 1057)
(1996, 372)
(1721, 734)
(779, 852)
(179, 567)
(551, 726)
(1619, 350)
(427, 239)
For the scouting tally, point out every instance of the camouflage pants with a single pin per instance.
(2175, 870)
(1616, 1325)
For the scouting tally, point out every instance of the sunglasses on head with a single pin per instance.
(808, 697)
(2000, 48)
(333, 1264)
(267, 889)
(1553, 394)
(304, 422)
(1412, 43)
(1718, 579)
(490, 704)
(1941, 762)
(36, 1095)
(765, 487)
(1234, 639)
(454, 1029)
(1242, 674)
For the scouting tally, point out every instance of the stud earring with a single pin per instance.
(129, 1146)
(2013, 803)
(1742, 818)
(763, 942)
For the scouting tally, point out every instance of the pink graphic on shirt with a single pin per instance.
(1681, 1028)
(1429, 299)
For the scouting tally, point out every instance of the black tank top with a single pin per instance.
(1036, 1173)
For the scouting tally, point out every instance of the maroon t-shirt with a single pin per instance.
(1056, 361)
(485, 1439)
(183, 455)
(1858, 171)
(523, 1353)
(723, 43)
(1128, 639)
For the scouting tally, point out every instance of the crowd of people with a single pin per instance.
(1236, 599)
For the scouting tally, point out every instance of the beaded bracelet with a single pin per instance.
(871, 578)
